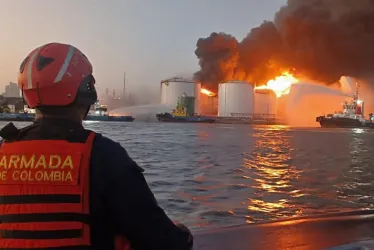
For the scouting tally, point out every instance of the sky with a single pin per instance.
(150, 40)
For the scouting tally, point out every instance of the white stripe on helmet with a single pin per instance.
(65, 66)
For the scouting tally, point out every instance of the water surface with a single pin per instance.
(209, 175)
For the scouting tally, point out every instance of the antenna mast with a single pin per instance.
(356, 93)
(124, 85)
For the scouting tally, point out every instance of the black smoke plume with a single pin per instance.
(318, 39)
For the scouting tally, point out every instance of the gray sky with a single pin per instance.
(149, 39)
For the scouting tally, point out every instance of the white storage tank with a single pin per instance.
(175, 87)
(235, 98)
(197, 98)
(265, 102)
(208, 105)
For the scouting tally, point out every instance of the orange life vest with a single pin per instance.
(44, 195)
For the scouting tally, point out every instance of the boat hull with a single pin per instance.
(309, 233)
(229, 120)
(109, 118)
(16, 117)
(183, 119)
(31, 117)
(339, 122)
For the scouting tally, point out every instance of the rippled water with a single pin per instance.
(209, 175)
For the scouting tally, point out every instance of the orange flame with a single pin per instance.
(281, 84)
(207, 92)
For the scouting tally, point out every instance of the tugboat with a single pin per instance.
(25, 115)
(17, 117)
(98, 113)
(351, 116)
(184, 112)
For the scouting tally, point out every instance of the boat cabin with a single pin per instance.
(99, 110)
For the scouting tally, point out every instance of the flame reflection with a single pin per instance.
(272, 172)
(258, 184)
(355, 184)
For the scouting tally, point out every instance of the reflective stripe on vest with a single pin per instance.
(44, 195)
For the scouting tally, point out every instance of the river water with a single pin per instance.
(209, 175)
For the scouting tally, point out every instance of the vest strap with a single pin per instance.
(40, 199)
(45, 217)
(80, 247)
(41, 235)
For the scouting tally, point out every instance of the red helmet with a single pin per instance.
(57, 74)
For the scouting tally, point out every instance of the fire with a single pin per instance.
(207, 92)
(281, 84)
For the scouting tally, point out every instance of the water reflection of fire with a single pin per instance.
(272, 173)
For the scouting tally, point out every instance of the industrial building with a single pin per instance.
(173, 88)
(235, 99)
(12, 90)
(209, 105)
(15, 104)
(265, 102)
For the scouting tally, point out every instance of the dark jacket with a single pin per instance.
(120, 199)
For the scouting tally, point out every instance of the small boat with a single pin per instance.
(184, 112)
(340, 231)
(17, 117)
(352, 116)
(99, 113)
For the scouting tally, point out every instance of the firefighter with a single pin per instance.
(68, 188)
